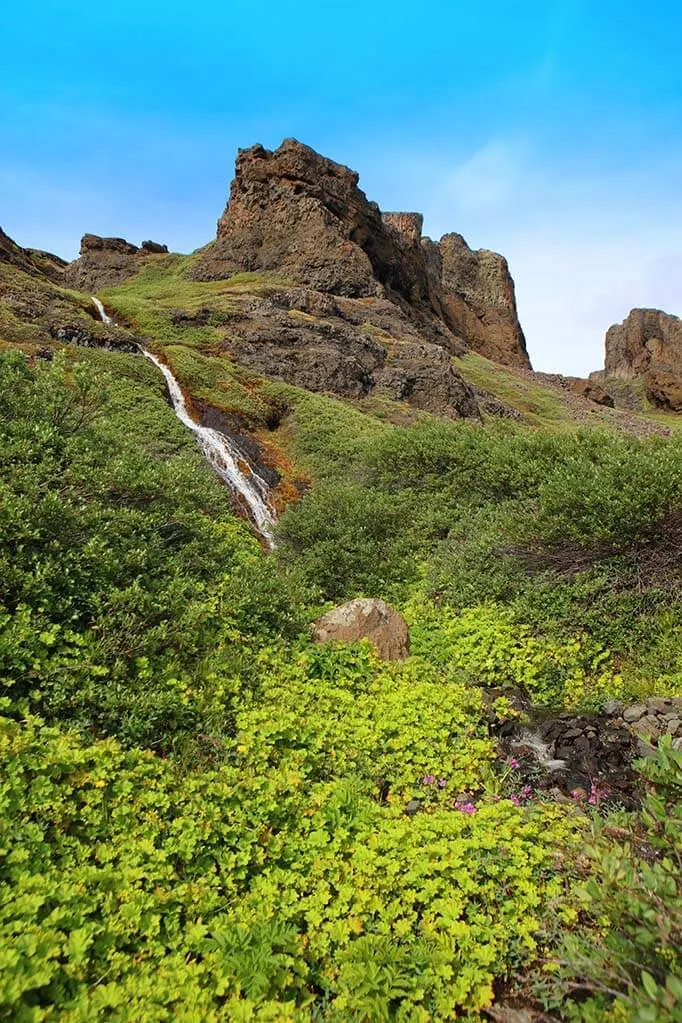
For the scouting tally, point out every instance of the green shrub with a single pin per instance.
(125, 578)
(626, 964)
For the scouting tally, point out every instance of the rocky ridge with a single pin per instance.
(298, 215)
(34, 262)
(643, 353)
(106, 262)
(357, 302)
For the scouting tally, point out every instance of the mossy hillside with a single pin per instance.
(118, 545)
(147, 301)
(568, 535)
(30, 305)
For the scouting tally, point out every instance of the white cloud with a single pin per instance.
(486, 180)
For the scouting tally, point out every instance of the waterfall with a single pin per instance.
(222, 455)
(103, 315)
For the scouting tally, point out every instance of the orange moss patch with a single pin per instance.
(292, 482)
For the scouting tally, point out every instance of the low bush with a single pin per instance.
(625, 964)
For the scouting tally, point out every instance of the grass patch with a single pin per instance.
(216, 381)
(162, 287)
(540, 406)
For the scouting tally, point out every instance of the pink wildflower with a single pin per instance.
(466, 807)
(428, 779)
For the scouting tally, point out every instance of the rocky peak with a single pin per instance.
(647, 347)
(481, 279)
(302, 216)
(107, 262)
(646, 338)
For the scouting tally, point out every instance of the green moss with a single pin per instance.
(148, 300)
(216, 381)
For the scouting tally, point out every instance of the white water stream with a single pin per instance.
(531, 741)
(220, 452)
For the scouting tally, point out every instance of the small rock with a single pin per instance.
(660, 703)
(370, 619)
(613, 708)
(635, 712)
(646, 726)
(413, 807)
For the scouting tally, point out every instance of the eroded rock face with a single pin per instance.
(107, 262)
(303, 216)
(366, 618)
(481, 280)
(325, 344)
(646, 347)
(380, 300)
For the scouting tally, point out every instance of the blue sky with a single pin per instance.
(550, 131)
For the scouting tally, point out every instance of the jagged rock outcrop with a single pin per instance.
(107, 262)
(323, 343)
(366, 618)
(481, 280)
(302, 219)
(37, 311)
(645, 348)
(360, 312)
(296, 213)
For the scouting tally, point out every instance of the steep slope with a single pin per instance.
(37, 310)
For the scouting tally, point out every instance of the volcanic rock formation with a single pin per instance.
(106, 262)
(353, 308)
(646, 348)
(296, 214)
(481, 279)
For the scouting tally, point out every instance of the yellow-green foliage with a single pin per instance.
(318, 836)
(626, 960)
(330, 713)
(132, 892)
(486, 646)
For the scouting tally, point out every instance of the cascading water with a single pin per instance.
(223, 457)
(103, 315)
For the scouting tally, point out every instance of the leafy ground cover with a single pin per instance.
(207, 817)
